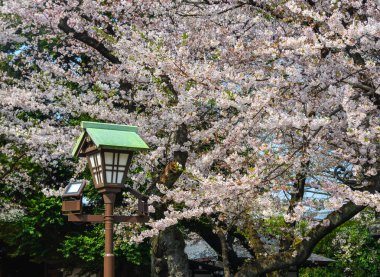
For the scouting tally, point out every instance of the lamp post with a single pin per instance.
(109, 149)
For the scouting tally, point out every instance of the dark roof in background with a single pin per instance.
(199, 250)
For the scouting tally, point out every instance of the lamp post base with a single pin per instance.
(109, 262)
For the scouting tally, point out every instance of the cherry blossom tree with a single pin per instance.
(246, 106)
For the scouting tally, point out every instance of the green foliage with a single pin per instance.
(189, 84)
(76, 121)
(49, 45)
(34, 116)
(330, 271)
(43, 234)
(303, 227)
(215, 55)
(351, 245)
(87, 247)
(5, 66)
(230, 95)
(36, 233)
(133, 253)
(11, 165)
(109, 38)
(164, 85)
(274, 226)
(185, 39)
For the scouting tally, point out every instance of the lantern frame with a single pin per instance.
(99, 172)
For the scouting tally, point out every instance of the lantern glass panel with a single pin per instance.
(123, 159)
(115, 166)
(109, 157)
(96, 167)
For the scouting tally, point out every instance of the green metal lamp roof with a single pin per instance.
(111, 136)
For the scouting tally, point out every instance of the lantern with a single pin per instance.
(109, 149)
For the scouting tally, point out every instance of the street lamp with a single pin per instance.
(109, 149)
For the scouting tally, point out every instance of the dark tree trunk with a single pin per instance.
(168, 255)
(225, 258)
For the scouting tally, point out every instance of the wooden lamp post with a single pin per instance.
(109, 149)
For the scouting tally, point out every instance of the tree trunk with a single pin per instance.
(168, 255)
(226, 260)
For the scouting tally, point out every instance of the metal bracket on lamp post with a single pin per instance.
(98, 218)
(108, 218)
(142, 216)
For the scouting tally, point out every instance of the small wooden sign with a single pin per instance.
(72, 206)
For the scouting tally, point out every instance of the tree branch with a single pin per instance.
(86, 39)
(205, 231)
(303, 249)
(13, 166)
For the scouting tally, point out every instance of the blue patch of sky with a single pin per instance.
(58, 116)
(310, 193)
(18, 51)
